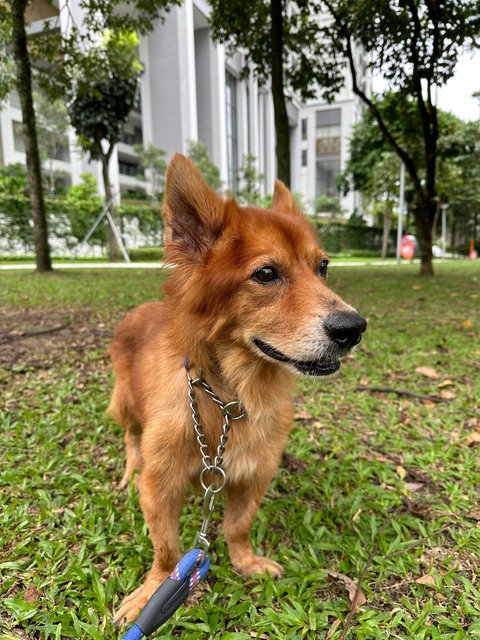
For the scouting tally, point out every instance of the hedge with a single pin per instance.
(341, 238)
(69, 222)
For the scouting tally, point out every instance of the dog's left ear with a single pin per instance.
(193, 213)
(283, 201)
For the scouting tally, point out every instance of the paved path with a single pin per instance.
(160, 265)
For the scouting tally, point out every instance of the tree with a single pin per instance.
(100, 100)
(373, 167)
(279, 46)
(415, 46)
(198, 152)
(52, 127)
(152, 160)
(24, 88)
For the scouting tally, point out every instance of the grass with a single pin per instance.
(380, 488)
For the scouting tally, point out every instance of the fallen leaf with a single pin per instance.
(428, 372)
(355, 594)
(303, 415)
(427, 579)
(474, 514)
(364, 381)
(32, 594)
(414, 486)
(293, 464)
(473, 439)
(356, 514)
(447, 395)
(402, 474)
(429, 404)
(333, 628)
(445, 383)
(416, 287)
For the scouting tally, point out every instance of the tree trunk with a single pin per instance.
(113, 248)
(424, 216)
(387, 227)
(24, 88)
(282, 127)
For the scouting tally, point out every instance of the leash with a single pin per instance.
(194, 565)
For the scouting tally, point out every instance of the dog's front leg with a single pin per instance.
(243, 500)
(161, 497)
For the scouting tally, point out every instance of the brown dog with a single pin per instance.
(249, 306)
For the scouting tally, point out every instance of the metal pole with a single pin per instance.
(92, 228)
(117, 236)
(444, 229)
(400, 210)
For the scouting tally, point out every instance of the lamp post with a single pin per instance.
(444, 208)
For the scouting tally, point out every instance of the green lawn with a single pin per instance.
(380, 488)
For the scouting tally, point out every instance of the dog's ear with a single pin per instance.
(283, 201)
(193, 213)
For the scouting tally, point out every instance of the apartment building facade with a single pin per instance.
(192, 90)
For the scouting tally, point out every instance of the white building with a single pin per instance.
(191, 90)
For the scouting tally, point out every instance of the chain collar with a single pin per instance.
(212, 476)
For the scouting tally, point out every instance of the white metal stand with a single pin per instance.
(105, 213)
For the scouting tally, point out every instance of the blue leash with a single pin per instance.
(171, 594)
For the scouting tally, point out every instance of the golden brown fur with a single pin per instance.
(212, 312)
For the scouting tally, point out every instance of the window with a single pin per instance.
(327, 172)
(128, 168)
(327, 151)
(232, 134)
(304, 128)
(304, 157)
(18, 142)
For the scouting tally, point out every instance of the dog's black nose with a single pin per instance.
(345, 328)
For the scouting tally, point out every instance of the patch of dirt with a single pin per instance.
(33, 339)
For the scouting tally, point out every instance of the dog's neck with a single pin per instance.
(234, 373)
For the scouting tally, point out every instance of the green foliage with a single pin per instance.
(70, 218)
(52, 126)
(147, 218)
(247, 25)
(154, 254)
(83, 205)
(103, 91)
(7, 69)
(328, 204)
(250, 180)
(152, 159)
(13, 180)
(198, 152)
(15, 221)
(351, 237)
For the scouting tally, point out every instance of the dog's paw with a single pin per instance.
(132, 604)
(259, 564)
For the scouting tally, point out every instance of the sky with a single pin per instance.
(456, 95)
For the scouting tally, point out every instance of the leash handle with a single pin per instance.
(171, 594)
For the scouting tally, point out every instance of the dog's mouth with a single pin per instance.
(307, 367)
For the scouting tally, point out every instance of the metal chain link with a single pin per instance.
(210, 467)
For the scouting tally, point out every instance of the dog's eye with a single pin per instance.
(323, 268)
(265, 275)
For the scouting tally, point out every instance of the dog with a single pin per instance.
(248, 304)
